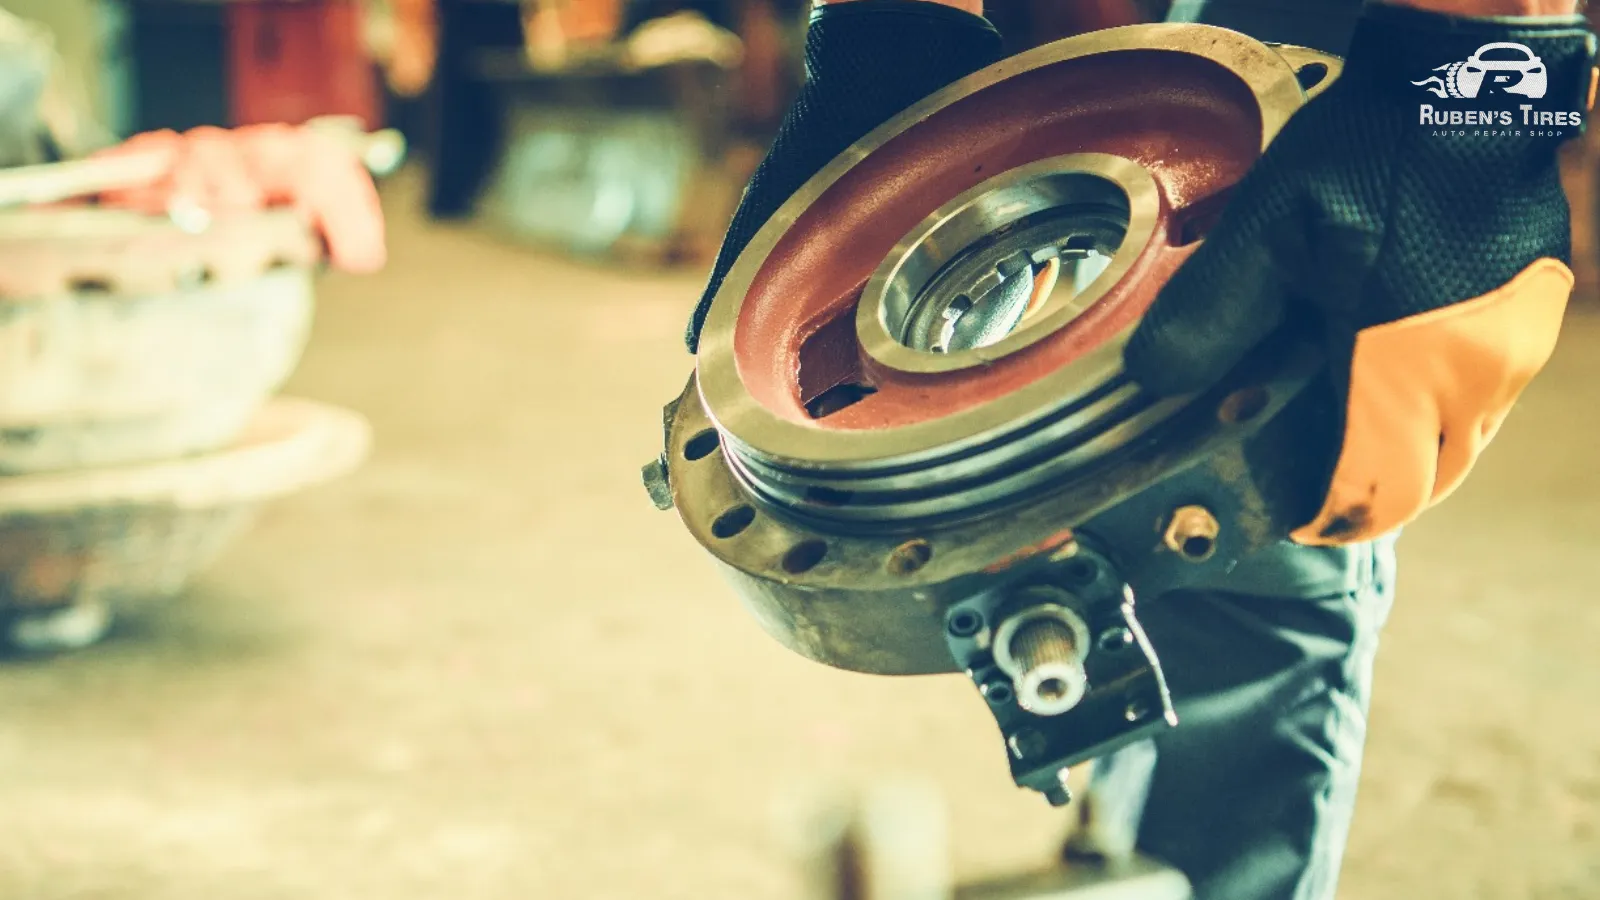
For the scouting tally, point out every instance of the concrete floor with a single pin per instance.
(485, 667)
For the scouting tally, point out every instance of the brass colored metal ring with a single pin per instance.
(1049, 186)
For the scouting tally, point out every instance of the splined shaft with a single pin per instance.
(1047, 655)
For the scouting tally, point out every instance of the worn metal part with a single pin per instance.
(909, 443)
(876, 602)
(1178, 111)
(903, 381)
(1119, 692)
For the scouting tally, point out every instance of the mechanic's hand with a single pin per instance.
(1432, 257)
(225, 171)
(866, 61)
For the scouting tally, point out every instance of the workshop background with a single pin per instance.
(409, 627)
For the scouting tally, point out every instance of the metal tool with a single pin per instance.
(909, 442)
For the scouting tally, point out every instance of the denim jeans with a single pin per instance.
(1251, 796)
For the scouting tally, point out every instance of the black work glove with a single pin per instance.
(1433, 258)
(866, 61)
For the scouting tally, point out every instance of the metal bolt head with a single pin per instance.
(997, 691)
(658, 483)
(1192, 533)
(964, 623)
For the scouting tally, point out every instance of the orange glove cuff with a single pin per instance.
(1427, 394)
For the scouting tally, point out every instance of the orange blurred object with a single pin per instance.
(590, 21)
(224, 172)
(552, 28)
(415, 52)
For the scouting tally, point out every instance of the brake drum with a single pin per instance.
(909, 442)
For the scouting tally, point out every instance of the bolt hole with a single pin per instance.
(1080, 572)
(804, 556)
(702, 445)
(965, 623)
(1115, 639)
(997, 692)
(1198, 548)
(1311, 75)
(909, 557)
(1242, 405)
(733, 522)
(278, 264)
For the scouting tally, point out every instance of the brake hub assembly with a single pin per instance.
(909, 442)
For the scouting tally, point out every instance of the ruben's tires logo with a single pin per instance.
(1500, 76)
(1502, 68)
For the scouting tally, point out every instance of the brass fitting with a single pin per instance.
(1192, 533)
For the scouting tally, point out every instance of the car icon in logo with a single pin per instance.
(1500, 68)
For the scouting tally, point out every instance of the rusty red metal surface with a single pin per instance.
(293, 60)
(1191, 122)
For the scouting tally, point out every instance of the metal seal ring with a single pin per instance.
(1000, 205)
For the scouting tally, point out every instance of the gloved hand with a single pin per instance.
(866, 61)
(243, 169)
(1432, 258)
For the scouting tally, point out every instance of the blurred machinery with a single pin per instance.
(138, 358)
(908, 442)
(890, 842)
(295, 61)
(620, 129)
(243, 62)
(44, 114)
(605, 129)
(617, 148)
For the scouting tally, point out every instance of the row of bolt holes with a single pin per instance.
(808, 554)
(912, 555)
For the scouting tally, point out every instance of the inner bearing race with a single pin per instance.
(1000, 261)
(968, 270)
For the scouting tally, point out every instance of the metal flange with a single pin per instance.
(821, 361)
(1169, 115)
(909, 406)
(892, 497)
